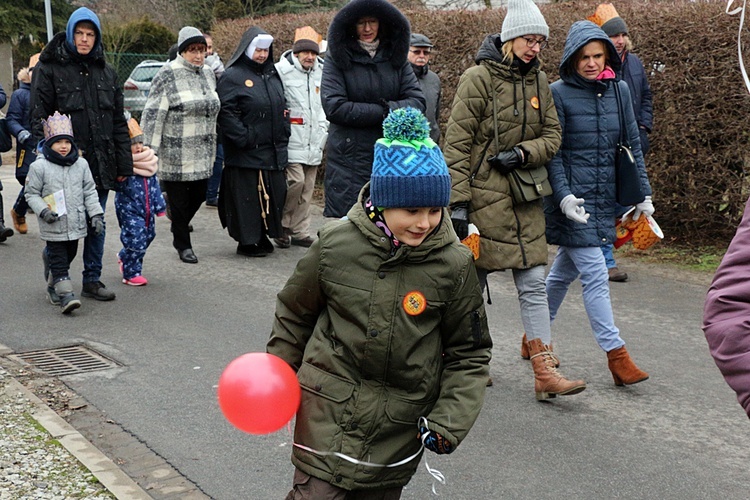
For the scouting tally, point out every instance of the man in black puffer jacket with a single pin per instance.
(72, 77)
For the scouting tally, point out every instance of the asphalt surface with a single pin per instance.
(680, 434)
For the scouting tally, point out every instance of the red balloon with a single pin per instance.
(259, 393)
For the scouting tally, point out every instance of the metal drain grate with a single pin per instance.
(68, 360)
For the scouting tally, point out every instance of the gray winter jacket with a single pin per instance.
(77, 184)
(429, 82)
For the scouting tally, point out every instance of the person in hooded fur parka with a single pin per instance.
(255, 132)
(365, 76)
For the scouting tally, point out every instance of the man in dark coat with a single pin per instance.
(419, 57)
(72, 77)
(362, 80)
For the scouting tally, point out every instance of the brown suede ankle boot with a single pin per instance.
(548, 382)
(623, 369)
(525, 350)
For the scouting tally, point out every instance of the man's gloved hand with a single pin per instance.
(23, 136)
(460, 219)
(507, 161)
(48, 216)
(646, 207)
(573, 209)
(434, 441)
(97, 224)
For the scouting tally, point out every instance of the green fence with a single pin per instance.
(124, 62)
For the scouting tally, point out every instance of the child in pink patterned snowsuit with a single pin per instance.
(138, 202)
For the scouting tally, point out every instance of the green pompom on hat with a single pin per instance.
(409, 170)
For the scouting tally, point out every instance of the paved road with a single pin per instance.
(679, 435)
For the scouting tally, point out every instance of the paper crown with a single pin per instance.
(604, 12)
(408, 170)
(136, 134)
(57, 126)
(33, 60)
(307, 33)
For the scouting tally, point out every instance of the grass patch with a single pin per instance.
(694, 258)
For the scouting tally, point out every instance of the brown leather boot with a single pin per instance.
(525, 350)
(548, 382)
(19, 222)
(623, 368)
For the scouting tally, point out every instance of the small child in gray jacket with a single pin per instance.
(61, 189)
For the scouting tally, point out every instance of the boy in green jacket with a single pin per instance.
(384, 322)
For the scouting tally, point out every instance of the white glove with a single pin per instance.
(645, 207)
(573, 209)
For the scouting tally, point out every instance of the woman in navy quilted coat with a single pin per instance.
(580, 214)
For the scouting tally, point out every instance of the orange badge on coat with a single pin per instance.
(248, 83)
(414, 303)
(535, 102)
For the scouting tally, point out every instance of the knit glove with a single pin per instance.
(507, 161)
(48, 216)
(573, 209)
(97, 224)
(434, 441)
(646, 207)
(460, 219)
(23, 136)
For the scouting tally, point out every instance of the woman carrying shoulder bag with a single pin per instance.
(504, 119)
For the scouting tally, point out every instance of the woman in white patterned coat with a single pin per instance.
(179, 124)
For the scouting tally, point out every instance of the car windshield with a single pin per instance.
(144, 73)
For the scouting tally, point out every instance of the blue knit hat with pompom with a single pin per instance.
(409, 170)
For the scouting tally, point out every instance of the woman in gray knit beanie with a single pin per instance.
(515, 128)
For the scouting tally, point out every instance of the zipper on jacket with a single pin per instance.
(523, 97)
(148, 204)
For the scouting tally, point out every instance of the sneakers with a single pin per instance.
(97, 290)
(54, 299)
(617, 275)
(135, 281)
(303, 242)
(69, 303)
(19, 222)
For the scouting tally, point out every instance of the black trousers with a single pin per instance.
(59, 255)
(184, 198)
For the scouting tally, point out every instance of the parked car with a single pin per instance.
(136, 87)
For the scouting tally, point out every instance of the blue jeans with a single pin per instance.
(588, 263)
(93, 247)
(212, 191)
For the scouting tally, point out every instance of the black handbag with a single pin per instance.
(526, 184)
(6, 141)
(629, 190)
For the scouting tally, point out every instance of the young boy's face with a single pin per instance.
(412, 225)
(61, 147)
(136, 148)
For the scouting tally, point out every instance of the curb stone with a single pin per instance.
(104, 469)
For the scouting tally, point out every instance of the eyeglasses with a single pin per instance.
(421, 51)
(530, 42)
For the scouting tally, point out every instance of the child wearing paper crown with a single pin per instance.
(60, 188)
(137, 202)
(384, 323)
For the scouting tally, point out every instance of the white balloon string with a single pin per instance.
(422, 421)
(739, 10)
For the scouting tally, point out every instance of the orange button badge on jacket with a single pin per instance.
(414, 303)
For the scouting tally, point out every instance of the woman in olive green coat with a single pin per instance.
(528, 136)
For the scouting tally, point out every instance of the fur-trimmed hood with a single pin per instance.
(394, 30)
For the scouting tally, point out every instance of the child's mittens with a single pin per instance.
(48, 216)
(97, 224)
(434, 441)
